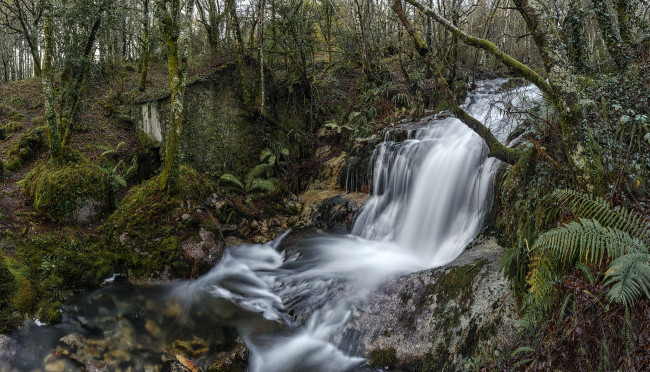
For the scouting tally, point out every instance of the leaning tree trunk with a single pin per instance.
(496, 148)
(582, 152)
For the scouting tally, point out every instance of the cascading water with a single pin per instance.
(431, 194)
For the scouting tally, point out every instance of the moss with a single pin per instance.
(39, 120)
(10, 128)
(29, 144)
(146, 229)
(7, 283)
(59, 191)
(383, 357)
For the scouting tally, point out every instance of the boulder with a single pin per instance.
(437, 319)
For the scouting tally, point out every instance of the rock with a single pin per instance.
(232, 241)
(436, 319)
(88, 211)
(332, 211)
(55, 366)
(153, 328)
(208, 251)
(73, 341)
(7, 347)
(185, 217)
(98, 366)
(235, 360)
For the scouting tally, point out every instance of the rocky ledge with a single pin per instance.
(437, 319)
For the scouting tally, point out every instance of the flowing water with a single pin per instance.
(288, 299)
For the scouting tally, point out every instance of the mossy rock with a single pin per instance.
(147, 228)
(48, 269)
(7, 283)
(29, 144)
(66, 193)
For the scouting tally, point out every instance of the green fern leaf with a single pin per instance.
(265, 153)
(588, 206)
(233, 180)
(262, 185)
(254, 173)
(588, 240)
(629, 276)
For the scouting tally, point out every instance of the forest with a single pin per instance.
(324, 185)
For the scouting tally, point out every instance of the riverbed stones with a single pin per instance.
(436, 319)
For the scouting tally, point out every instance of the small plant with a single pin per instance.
(339, 128)
(253, 184)
(600, 234)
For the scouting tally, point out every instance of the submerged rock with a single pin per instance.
(436, 319)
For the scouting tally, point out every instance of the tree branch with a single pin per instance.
(497, 149)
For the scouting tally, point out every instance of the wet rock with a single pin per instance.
(7, 347)
(336, 211)
(232, 241)
(73, 341)
(98, 366)
(208, 251)
(235, 360)
(55, 366)
(436, 319)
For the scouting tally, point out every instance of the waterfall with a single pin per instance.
(289, 298)
(431, 195)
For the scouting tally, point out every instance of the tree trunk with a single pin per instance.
(239, 46)
(177, 56)
(145, 47)
(609, 28)
(56, 152)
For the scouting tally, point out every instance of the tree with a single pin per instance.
(145, 46)
(76, 67)
(581, 151)
(24, 18)
(175, 28)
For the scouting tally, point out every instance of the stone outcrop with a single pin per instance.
(326, 204)
(437, 319)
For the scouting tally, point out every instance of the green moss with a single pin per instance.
(383, 357)
(10, 128)
(146, 229)
(58, 191)
(29, 144)
(7, 283)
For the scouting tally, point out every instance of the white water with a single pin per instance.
(431, 195)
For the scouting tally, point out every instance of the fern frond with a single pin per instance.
(265, 153)
(131, 170)
(588, 206)
(629, 276)
(588, 240)
(255, 173)
(232, 179)
(262, 185)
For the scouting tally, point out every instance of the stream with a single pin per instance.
(288, 299)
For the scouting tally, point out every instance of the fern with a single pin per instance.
(233, 180)
(588, 206)
(262, 185)
(589, 240)
(629, 276)
(255, 173)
